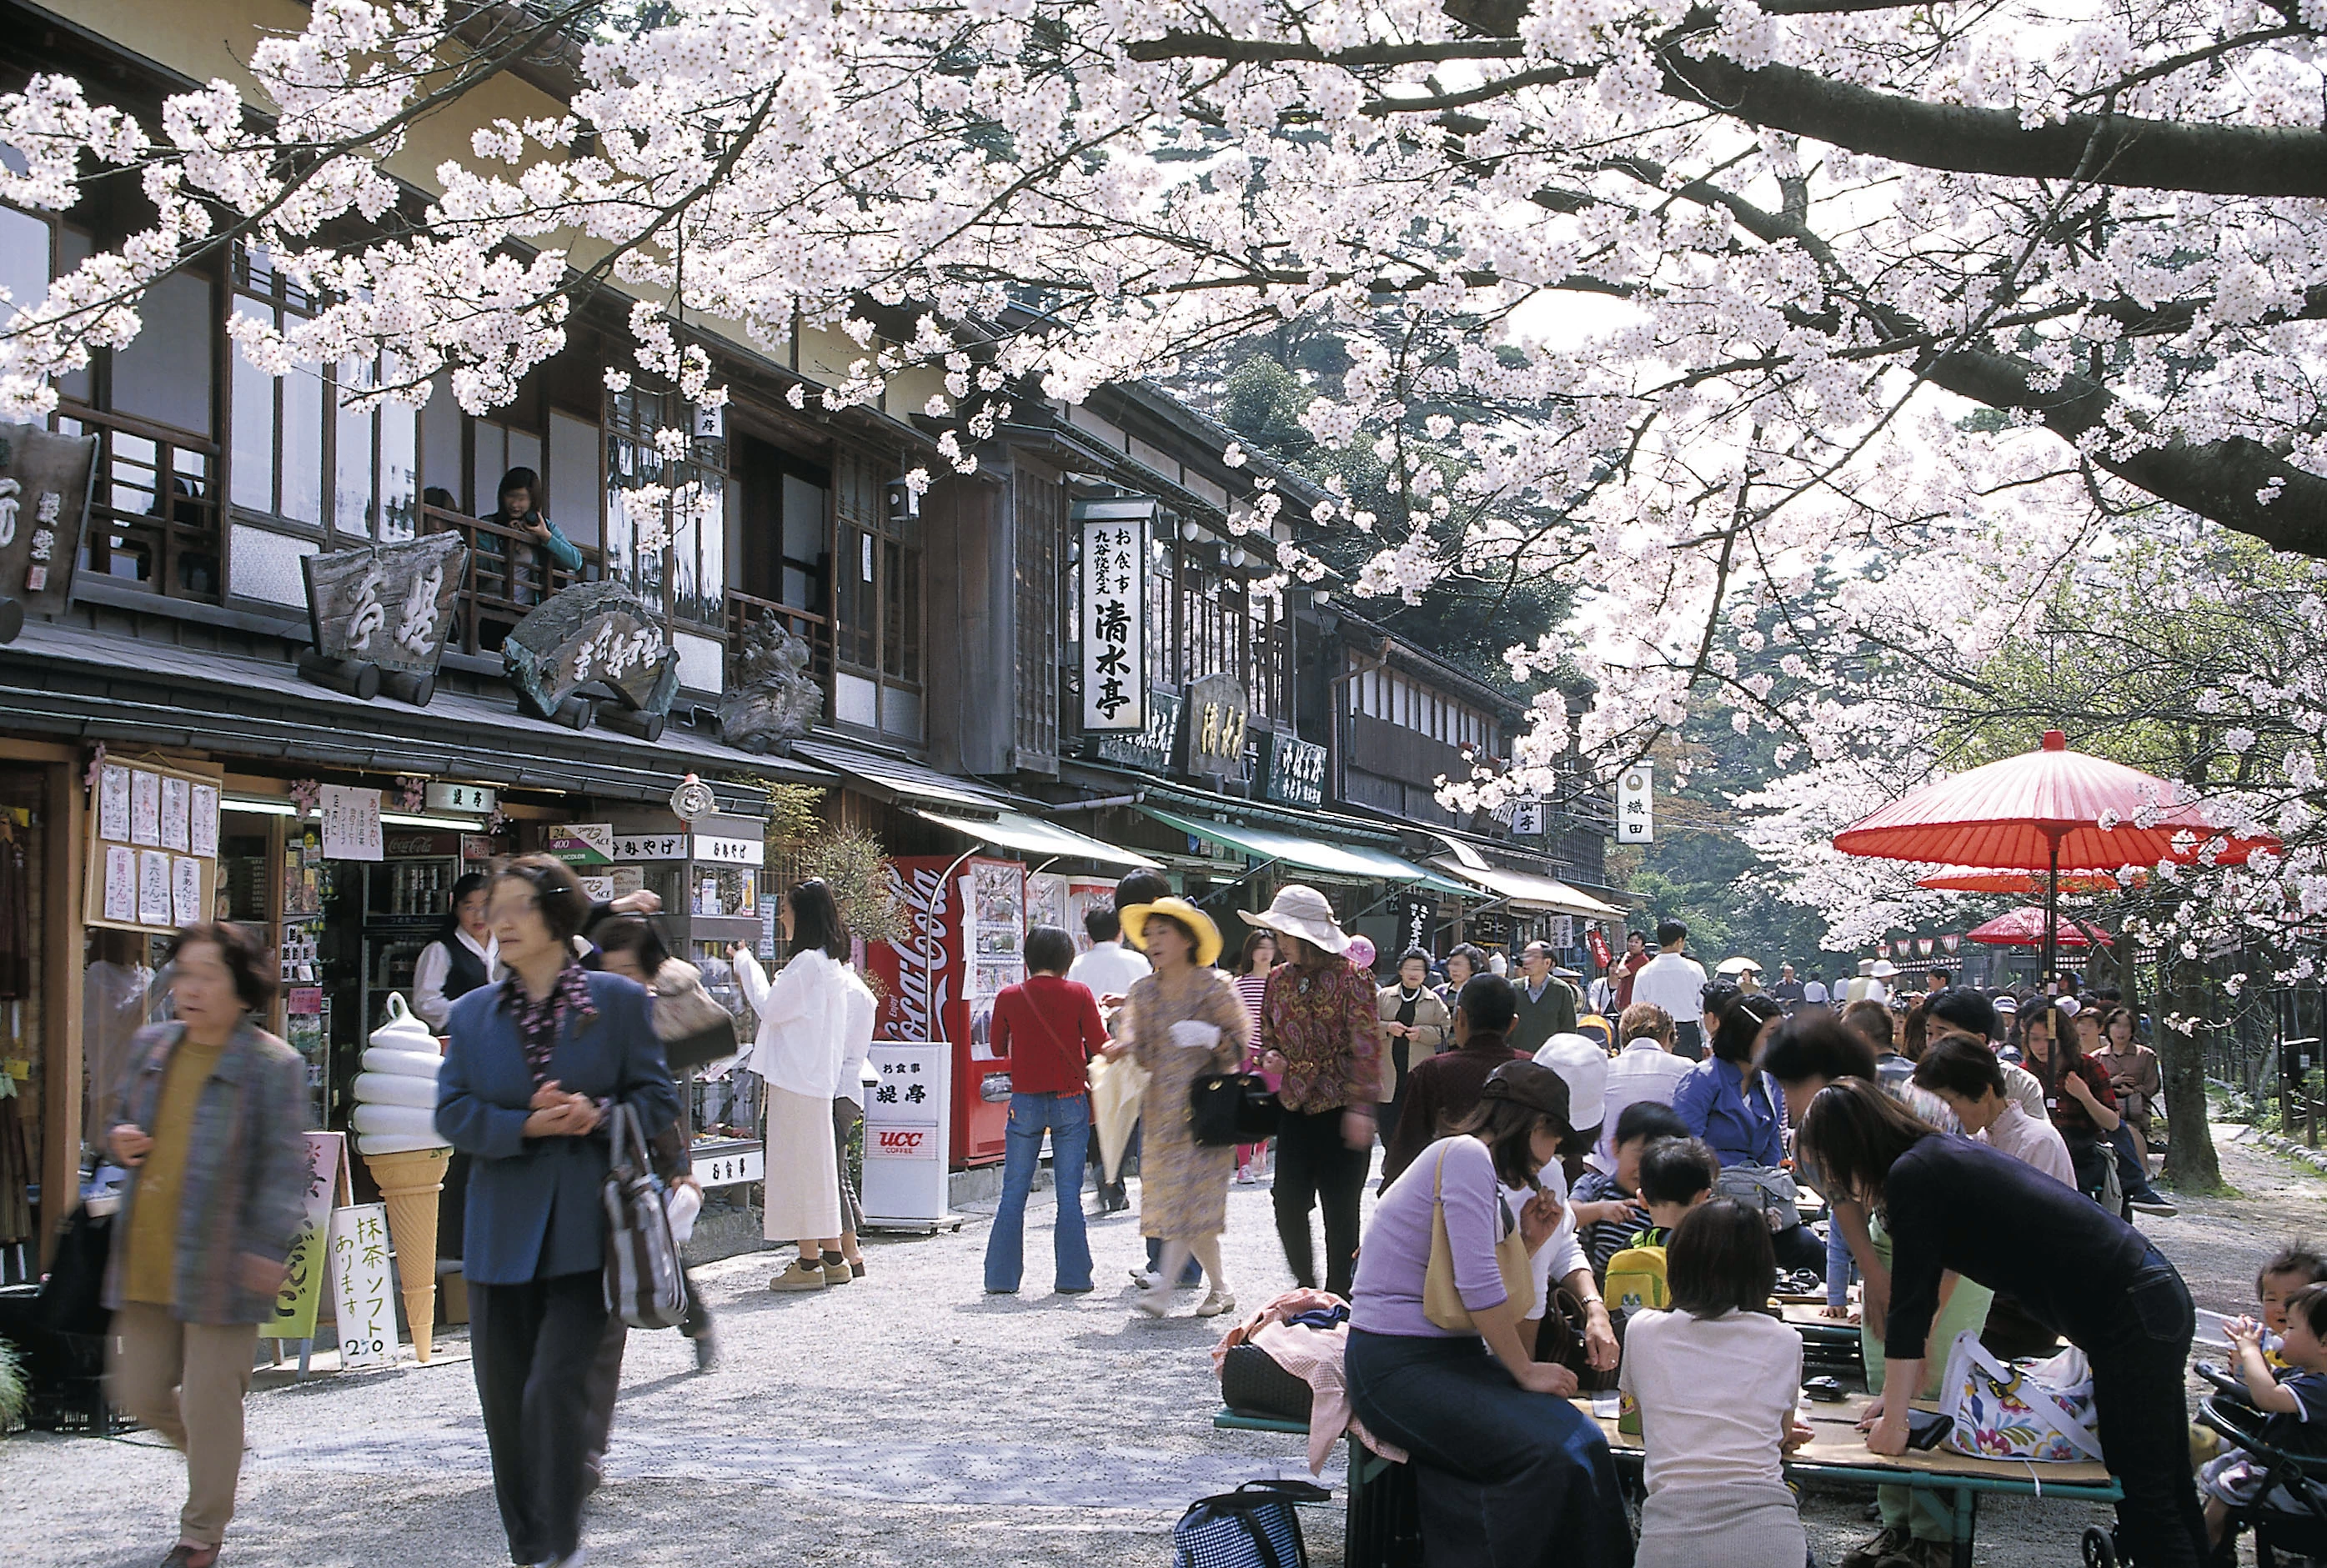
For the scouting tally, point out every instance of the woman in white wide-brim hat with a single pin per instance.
(1320, 1027)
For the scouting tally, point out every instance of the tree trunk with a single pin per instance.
(2190, 1163)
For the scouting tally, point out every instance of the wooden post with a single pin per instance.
(62, 1069)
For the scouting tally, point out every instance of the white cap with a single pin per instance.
(1580, 1061)
(2067, 1004)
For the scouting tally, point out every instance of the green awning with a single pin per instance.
(1309, 855)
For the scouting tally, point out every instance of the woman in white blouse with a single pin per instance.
(802, 1041)
(462, 957)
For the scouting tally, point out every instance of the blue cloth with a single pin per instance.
(534, 1209)
(1507, 1479)
(1742, 1127)
(2132, 1170)
(1322, 1318)
(1067, 1118)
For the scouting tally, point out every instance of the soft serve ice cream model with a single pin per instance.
(396, 1132)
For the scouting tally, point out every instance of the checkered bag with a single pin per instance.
(1253, 1527)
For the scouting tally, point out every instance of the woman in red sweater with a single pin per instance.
(1047, 1029)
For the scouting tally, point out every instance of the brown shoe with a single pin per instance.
(1917, 1554)
(1869, 1553)
(186, 1555)
(803, 1276)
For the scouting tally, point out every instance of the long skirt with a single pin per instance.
(1507, 1479)
(1741, 1526)
(803, 1202)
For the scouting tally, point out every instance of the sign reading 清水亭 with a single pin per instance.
(1635, 815)
(45, 480)
(592, 633)
(1217, 712)
(1296, 770)
(390, 605)
(1113, 536)
(1149, 749)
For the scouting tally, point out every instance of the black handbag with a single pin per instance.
(1252, 1383)
(702, 1047)
(1560, 1340)
(1225, 1109)
(72, 1298)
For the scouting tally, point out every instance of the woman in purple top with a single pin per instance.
(1512, 1475)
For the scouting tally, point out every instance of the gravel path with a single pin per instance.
(907, 1419)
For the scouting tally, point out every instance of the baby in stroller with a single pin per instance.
(2295, 1404)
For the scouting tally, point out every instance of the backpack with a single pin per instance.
(1636, 1281)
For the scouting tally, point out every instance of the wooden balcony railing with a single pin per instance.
(507, 575)
(153, 521)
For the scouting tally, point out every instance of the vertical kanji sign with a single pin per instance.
(1636, 821)
(366, 1297)
(1113, 584)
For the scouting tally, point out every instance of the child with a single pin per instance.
(1715, 1379)
(2296, 1404)
(1607, 1214)
(2292, 1267)
(1676, 1174)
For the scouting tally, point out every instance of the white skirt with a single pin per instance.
(1743, 1525)
(803, 1187)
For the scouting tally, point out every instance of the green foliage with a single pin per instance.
(793, 817)
(854, 864)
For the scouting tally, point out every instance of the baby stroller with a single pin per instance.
(2289, 1516)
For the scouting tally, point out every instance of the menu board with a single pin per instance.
(152, 846)
(997, 926)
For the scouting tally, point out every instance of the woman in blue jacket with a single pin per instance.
(535, 1067)
(1741, 1113)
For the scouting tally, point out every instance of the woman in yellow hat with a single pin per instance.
(1185, 1021)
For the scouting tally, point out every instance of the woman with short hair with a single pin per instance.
(1415, 1023)
(1953, 1205)
(536, 1066)
(1463, 960)
(1046, 1029)
(1510, 1474)
(1185, 1023)
(211, 1123)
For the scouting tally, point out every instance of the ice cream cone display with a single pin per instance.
(396, 1132)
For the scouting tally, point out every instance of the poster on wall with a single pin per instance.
(177, 803)
(152, 888)
(350, 823)
(151, 846)
(145, 807)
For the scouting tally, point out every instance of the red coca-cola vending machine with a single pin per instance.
(965, 935)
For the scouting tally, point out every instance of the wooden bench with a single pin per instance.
(1383, 1515)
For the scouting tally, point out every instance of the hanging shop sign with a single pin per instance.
(1417, 922)
(1149, 749)
(1635, 814)
(594, 634)
(379, 615)
(1527, 817)
(152, 848)
(350, 819)
(730, 851)
(585, 843)
(1563, 931)
(636, 846)
(45, 480)
(470, 799)
(1113, 535)
(1216, 711)
(1296, 770)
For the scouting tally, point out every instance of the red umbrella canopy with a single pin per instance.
(2007, 815)
(2024, 927)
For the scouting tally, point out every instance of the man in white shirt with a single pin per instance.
(1110, 969)
(1676, 984)
(1643, 1070)
(1814, 990)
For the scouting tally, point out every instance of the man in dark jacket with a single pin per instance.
(1443, 1090)
(1547, 1003)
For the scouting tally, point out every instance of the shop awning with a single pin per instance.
(1033, 835)
(896, 778)
(1332, 859)
(1526, 890)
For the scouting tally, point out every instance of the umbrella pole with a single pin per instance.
(2052, 915)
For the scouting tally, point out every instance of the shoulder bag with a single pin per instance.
(1225, 1108)
(1442, 1302)
(644, 1284)
(1560, 1341)
(1766, 1187)
(1253, 1527)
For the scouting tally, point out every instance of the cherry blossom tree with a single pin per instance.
(1768, 309)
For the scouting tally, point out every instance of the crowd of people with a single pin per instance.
(1980, 1158)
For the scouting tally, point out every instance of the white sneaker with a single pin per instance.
(1214, 1303)
(1145, 1279)
(1154, 1301)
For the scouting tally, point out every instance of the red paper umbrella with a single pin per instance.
(2041, 811)
(2024, 927)
(1965, 879)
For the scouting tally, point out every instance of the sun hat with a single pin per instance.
(1883, 969)
(1532, 1085)
(1865, 968)
(1207, 935)
(1738, 965)
(1583, 1067)
(1300, 912)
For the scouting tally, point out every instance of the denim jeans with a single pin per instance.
(2143, 1415)
(2132, 1170)
(1067, 1118)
